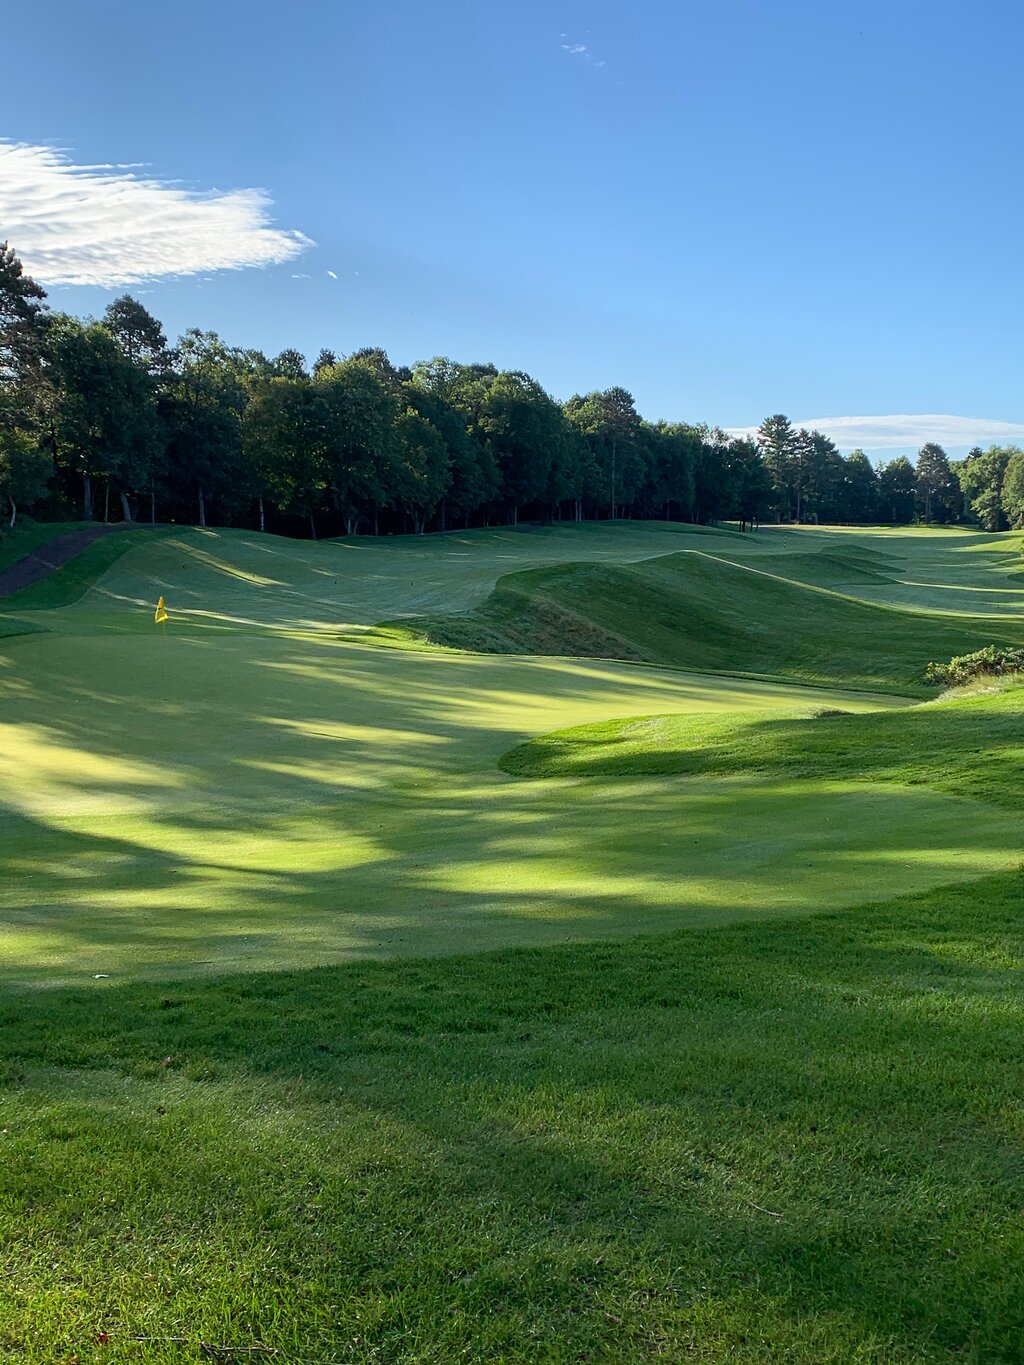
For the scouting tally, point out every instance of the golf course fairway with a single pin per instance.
(540, 944)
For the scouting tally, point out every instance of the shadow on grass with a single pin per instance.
(794, 1139)
(972, 747)
(204, 804)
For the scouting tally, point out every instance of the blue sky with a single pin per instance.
(731, 207)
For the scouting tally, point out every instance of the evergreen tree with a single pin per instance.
(777, 442)
(936, 490)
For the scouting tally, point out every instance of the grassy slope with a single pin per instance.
(969, 744)
(67, 584)
(31, 535)
(697, 610)
(789, 1141)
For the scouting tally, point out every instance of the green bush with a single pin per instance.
(991, 661)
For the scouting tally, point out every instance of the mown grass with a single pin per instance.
(796, 1141)
(29, 536)
(971, 744)
(11, 626)
(700, 611)
(791, 1139)
(202, 803)
(66, 584)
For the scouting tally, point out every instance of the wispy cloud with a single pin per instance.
(106, 225)
(905, 430)
(332, 274)
(573, 49)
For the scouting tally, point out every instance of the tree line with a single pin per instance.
(103, 418)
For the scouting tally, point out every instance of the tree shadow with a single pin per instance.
(805, 1131)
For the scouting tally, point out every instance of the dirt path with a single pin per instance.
(42, 562)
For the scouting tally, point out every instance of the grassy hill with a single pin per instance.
(325, 1036)
(698, 610)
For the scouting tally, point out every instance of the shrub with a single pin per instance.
(991, 661)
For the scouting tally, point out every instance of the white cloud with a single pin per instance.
(575, 49)
(332, 274)
(905, 430)
(105, 225)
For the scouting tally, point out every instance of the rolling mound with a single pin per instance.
(698, 611)
(967, 744)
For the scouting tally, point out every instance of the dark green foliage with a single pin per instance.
(361, 444)
(981, 478)
(896, 491)
(24, 470)
(936, 489)
(992, 661)
(1012, 491)
(22, 320)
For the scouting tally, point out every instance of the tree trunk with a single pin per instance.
(263, 521)
(14, 513)
(87, 497)
(106, 503)
(202, 508)
(614, 453)
(126, 508)
(515, 514)
(312, 524)
(376, 521)
(443, 517)
(152, 505)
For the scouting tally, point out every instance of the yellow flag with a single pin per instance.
(160, 615)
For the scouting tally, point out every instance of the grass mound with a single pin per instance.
(971, 745)
(68, 583)
(29, 536)
(699, 611)
(11, 626)
(827, 568)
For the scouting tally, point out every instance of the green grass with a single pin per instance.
(67, 584)
(697, 610)
(29, 536)
(323, 1033)
(200, 803)
(970, 744)
(11, 626)
(797, 1141)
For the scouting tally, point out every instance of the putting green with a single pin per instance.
(248, 800)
